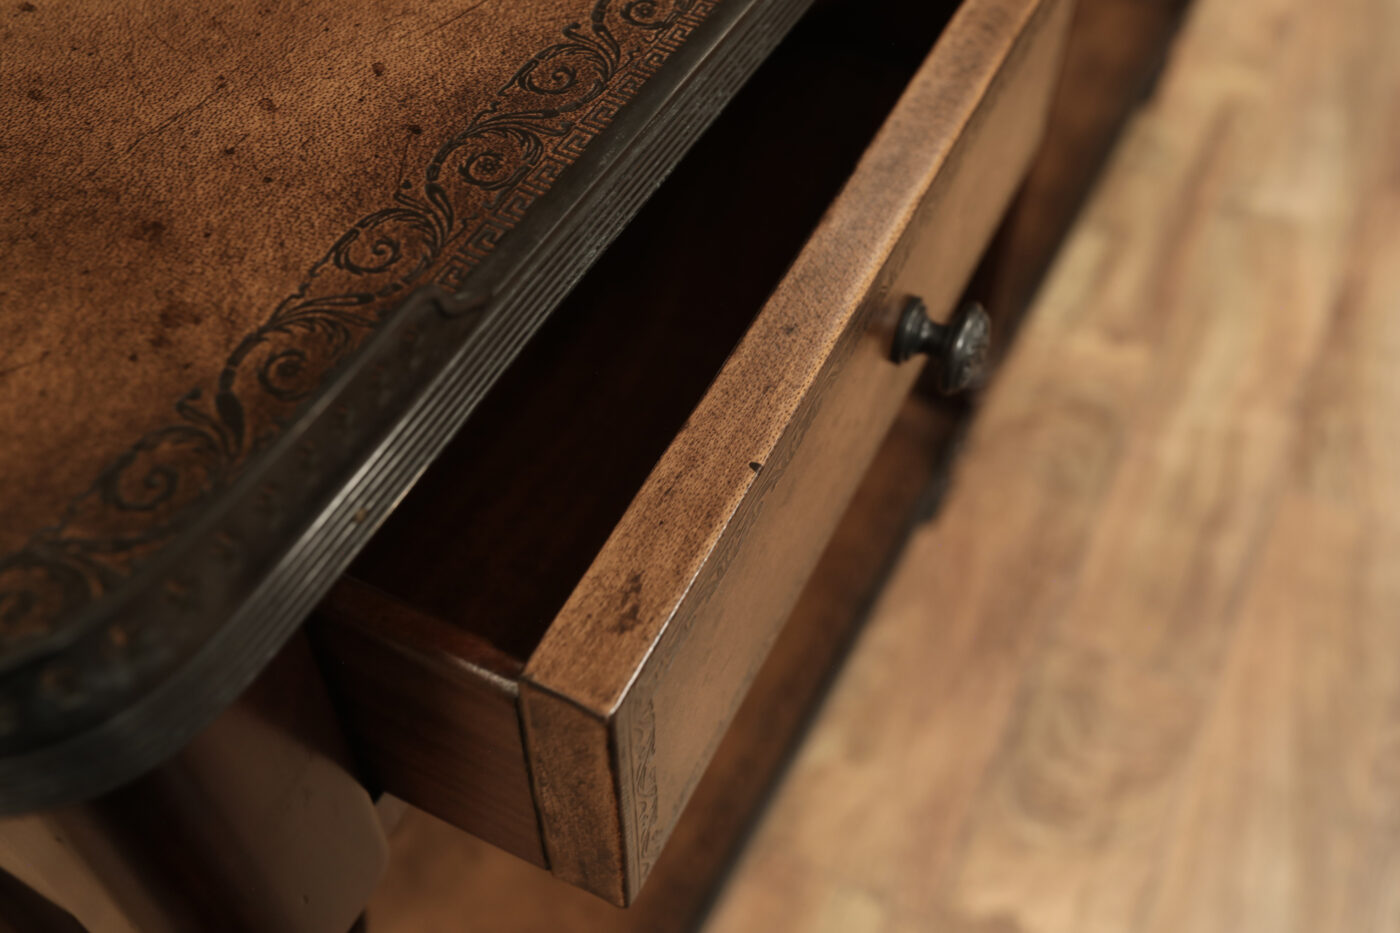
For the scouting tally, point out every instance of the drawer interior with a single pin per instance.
(500, 530)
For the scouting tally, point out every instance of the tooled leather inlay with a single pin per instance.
(436, 228)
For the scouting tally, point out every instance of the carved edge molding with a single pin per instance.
(478, 186)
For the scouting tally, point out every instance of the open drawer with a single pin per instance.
(546, 641)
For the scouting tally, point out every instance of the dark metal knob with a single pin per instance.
(959, 348)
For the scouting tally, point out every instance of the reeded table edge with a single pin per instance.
(259, 556)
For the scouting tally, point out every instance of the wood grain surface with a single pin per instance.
(504, 524)
(1115, 52)
(1143, 673)
(661, 638)
(441, 880)
(195, 461)
(425, 638)
(432, 713)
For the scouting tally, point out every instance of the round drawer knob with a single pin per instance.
(959, 348)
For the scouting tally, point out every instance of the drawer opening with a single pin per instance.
(499, 531)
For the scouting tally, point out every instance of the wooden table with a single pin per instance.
(246, 349)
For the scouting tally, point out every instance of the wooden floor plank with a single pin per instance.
(1294, 788)
(1144, 674)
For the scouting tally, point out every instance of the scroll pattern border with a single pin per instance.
(479, 185)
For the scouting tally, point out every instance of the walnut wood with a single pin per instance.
(666, 631)
(1115, 50)
(431, 860)
(502, 527)
(119, 221)
(484, 552)
(1143, 673)
(233, 377)
(1114, 53)
(761, 471)
(437, 874)
(433, 711)
(771, 721)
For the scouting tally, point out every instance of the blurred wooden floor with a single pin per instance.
(1144, 672)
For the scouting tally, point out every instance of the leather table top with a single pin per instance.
(209, 212)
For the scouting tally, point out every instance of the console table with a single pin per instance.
(503, 408)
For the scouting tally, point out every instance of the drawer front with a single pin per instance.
(636, 681)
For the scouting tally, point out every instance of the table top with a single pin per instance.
(258, 264)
